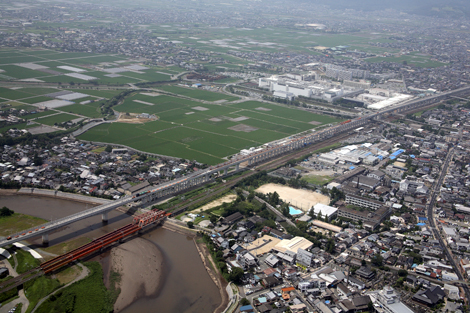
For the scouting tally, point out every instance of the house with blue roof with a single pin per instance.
(247, 309)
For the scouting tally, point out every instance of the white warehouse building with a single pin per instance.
(284, 86)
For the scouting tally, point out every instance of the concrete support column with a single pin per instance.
(237, 167)
(45, 239)
(104, 216)
(206, 177)
(225, 171)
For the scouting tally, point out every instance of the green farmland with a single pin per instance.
(89, 110)
(56, 119)
(204, 132)
(43, 66)
(198, 94)
(412, 59)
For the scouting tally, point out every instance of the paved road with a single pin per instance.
(83, 274)
(432, 222)
(22, 297)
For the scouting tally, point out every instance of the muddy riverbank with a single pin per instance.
(161, 270)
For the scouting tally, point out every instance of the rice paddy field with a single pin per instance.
(198, 94)
(30, 99)
(204, 132)
(414, 59)
(190, 123)
(78, 68)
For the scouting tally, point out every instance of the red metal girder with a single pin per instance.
(144, 219)
(70, 253)
(116, 235)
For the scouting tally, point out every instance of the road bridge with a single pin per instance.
(222, 169)
(153, 217)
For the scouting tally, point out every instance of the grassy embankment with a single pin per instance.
(85, 296)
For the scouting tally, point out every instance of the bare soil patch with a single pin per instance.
(303, 199)
(226, 199)
(263, 109)
(315, 123)
(243, 128)
(198, 108)
(42, 130)
(133, 118)
(140, 276)
(239, 119)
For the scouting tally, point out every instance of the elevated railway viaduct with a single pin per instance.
(207, 175)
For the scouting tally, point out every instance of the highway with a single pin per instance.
(432, 222)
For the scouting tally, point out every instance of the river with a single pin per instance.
(185, 285)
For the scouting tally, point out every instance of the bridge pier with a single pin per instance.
(225, 171)
(45, 239)
(104, 218)
(237, 167)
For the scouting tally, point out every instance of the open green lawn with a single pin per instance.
(17, 222)
(39, 288)
(26, 261)
(87, 295)
(317, 180)
(198, 94)
(203, 135)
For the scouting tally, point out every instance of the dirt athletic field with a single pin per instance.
(302, 199)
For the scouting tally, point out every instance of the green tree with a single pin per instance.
(6, 212)
(377, 260)
(213, 219)
(108, 149)
(330, 245)
(190, 224)
(37, 160)
(285, 210)
(274, 198)
(244, 301)
(402, 273)
(311, 213)
(236, 275)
